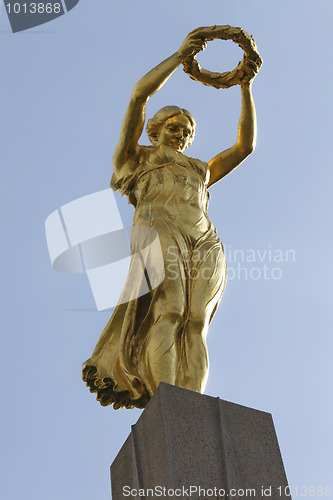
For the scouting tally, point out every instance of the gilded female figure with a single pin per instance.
(161, 336)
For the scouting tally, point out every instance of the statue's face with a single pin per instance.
(176, 132)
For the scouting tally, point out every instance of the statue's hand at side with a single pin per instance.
(192, 43)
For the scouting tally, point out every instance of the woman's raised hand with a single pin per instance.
(251, 69)
(194, 42)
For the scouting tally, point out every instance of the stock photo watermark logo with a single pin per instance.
(251, 264)
(87, 236)
(26, 14)
(258, 264)
(122, 264)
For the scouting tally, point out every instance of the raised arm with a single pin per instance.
(229, 159)
(127, 150)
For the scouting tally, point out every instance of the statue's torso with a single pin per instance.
(166, 176)
(172, 186)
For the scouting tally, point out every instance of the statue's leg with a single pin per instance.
(159, 332)
(208, 274)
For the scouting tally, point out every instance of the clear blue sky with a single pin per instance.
(65, 88)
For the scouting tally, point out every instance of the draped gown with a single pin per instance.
(169, 192)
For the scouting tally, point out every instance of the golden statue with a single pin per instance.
(161, 336)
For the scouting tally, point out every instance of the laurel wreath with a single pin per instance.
(244, 72)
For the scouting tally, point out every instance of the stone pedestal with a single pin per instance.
(187, 445)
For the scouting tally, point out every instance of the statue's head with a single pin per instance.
(171, 126)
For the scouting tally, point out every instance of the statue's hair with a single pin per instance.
(155, 123)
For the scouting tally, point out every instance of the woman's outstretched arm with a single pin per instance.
(226, 161)
(127, 150)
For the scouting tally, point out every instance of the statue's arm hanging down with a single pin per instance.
(161, 336)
